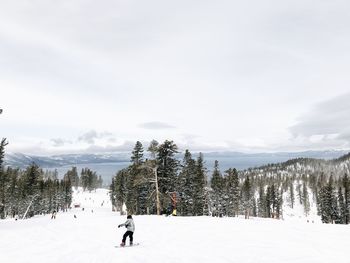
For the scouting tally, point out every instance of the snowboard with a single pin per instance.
(134, 245)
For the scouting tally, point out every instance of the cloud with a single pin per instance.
(327, 124)
(156, 125)
(207, 61)
(328, 117)
(127, 146)
(91, 136)
(58, 142)
(88, 137)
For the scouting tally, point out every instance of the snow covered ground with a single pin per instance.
(91, 237)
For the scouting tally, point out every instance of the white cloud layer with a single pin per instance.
(238, 75)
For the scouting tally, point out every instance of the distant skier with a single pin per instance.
(130, 227)
(53, 216)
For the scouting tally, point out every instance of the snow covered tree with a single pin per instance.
(73, 176)
(153, 148)
(262, 209)
(291, 194)
(328, 203)
(186, 185)
(119, 189)
(346, 186)
(3, 180)
(167, 170)
(88, 179)
(341, 207)
(232, 191)
(217, 185)
(200, 196)
(305, 199)
(137, 154)
(247, 197)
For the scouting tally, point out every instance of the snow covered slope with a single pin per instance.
(92, 235)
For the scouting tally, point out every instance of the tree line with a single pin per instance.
(260, 192)
(33, 191)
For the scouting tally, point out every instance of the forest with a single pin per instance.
(156, 182)
(33, 191)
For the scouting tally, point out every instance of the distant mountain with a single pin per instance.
(22, 160)
(243, 161)
(226, 159)
(304, 166)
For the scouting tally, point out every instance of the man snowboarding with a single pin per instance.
(130, 228)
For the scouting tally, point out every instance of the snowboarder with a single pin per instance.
(130, 228)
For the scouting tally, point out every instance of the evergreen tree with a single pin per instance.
(200, 197)
(3, 180)
(247, 197)
(328, 204)
(232, 190)
(346, 186)
(186, 184)
(305, 199)
(137, 154)
(291, 195)
(268, 201)
(72, 175)
(217, 185)
(119, 189)
(254, 209)
(167, 170)
(342, 208)
(153, 149)
(262, 209)
(132, 193)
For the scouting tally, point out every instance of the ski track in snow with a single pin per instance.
(91, 237)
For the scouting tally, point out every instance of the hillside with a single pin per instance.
(336, 166)
(91, 237)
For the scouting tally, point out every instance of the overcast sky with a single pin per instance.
(253, 76)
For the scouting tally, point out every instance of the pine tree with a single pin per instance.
(132, 193)
(262, 202)
(247, 197)
(153, 149)
(279, 202)
(217, 184)
(291, 194)
(232, 191)
(254, 209)
(137, 154)
(305, 199)
(186, 185)
(328, 203)
(3, 180)
(136, 201)
(342, 207)
(200, 206)
(167, 170)
(268, 202)
(32, 178)
(346, 186)
(73, 176)
(119, 189)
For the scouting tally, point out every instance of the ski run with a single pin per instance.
(91, 235)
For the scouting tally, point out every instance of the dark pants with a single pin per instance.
(128, 233)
